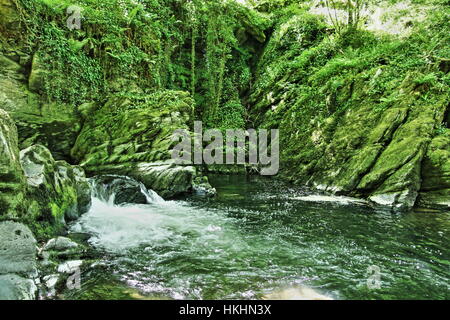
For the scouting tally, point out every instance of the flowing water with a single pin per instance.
(257, 237)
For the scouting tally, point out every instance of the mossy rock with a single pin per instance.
(54, 125)
(36, 80)
(132, 129)
(9, 19)
(435, 188)
(339, 131)
(12, 179)
(57, 192)
(132, 135)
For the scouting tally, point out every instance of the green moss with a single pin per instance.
(133, 128)
(44, 230)
(436, 165)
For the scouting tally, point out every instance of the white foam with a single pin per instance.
(322, 198)
(117, 228)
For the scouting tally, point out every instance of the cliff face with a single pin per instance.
(12, 180)
(359, 113)
(35, 187)
(435, 188)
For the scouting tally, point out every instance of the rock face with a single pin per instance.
(34, 185)
(129, 130)
(54, 125)
(12, 181)
(132, 136)
(435, 189)
(36, 80)
(9, 18)
(57, 190)
(345, 126)
(118, 189)
(17, 262)
(166, 179)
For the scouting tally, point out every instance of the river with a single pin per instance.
(260, 236)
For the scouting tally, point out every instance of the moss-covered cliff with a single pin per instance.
(358, 111)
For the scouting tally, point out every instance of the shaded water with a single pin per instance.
(258, 236)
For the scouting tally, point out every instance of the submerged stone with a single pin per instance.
(296, 293)
(333, 199)
(202, 187)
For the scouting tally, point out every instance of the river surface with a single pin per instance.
(258, 237)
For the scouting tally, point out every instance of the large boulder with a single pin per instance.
(18, 268)
(118, 189)
(12, 180)
(166, 179)
(132, 136)
(57, 191)
(15, 287)
(17, 249)
(37, 189)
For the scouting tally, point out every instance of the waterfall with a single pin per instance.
(150, 195)
(124, 213)
(115, 189)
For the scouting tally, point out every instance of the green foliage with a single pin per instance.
(353, 10)
(72, 76)
(442, 129)
(212, 49)
(203, 47)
